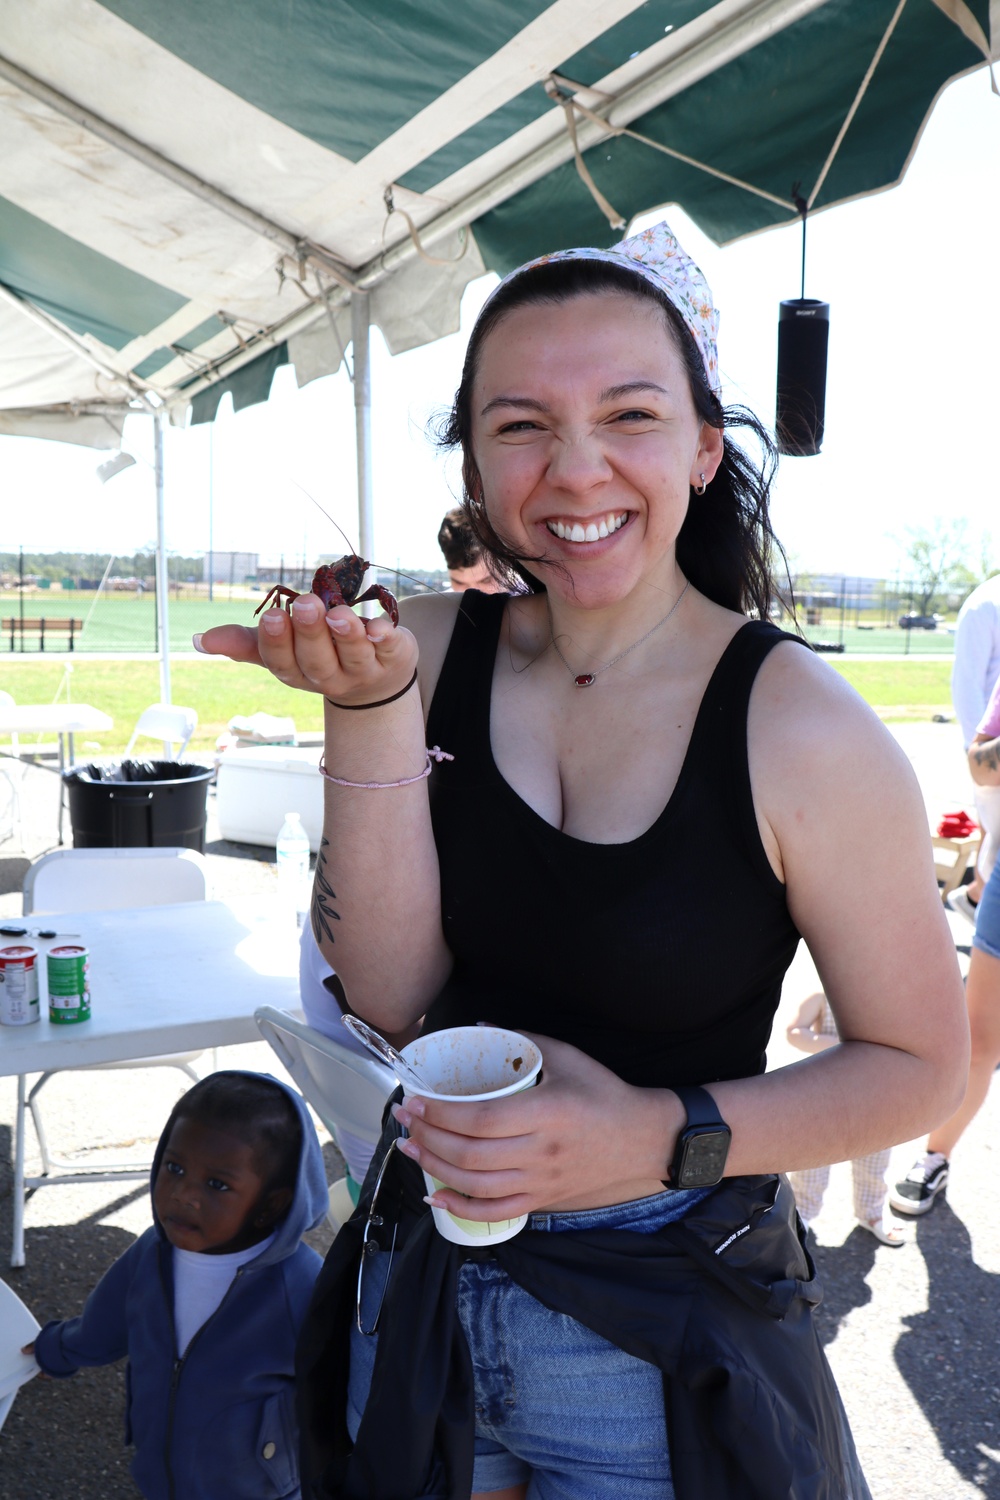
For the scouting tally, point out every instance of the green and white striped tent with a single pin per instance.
(192, 193)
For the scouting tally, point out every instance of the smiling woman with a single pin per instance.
(557, 878)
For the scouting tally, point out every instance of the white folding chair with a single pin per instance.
(10, 800)
(7, 700)
(100, 880)
(11, 778)
(167, 722)
(347, 1091)
(18, 1327)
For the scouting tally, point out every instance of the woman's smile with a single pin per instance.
(571, 530)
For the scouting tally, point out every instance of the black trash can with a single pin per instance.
(138, 804)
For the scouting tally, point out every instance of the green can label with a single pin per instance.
(69, 985)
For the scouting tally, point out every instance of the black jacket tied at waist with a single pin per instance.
(720, 1301)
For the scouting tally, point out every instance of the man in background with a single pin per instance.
(466, 565)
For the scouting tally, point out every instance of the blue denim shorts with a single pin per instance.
(557, 1406)
(987, 934)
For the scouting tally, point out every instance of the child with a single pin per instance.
(813, 1030)
(207, 1304)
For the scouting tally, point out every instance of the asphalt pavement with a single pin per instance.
(911, 1333)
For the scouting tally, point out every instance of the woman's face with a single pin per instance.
(587, 441)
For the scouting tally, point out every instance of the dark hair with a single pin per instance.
(457, 540)
(257, 1111)
(726, 544)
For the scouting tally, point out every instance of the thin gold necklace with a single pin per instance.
(587, 679)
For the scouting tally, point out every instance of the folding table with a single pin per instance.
(163, 979)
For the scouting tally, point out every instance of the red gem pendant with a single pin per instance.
(584, 679)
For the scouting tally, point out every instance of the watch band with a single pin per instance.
(701, 1107)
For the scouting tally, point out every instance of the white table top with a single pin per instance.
(52, 718)
(162, 979)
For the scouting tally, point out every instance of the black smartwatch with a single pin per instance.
(703, 1144)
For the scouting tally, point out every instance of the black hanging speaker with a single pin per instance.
(803, 336)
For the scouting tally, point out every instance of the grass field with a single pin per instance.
(127, 622)
(871, 640)
(219, 689)
(900, 689)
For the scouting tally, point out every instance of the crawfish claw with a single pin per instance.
(387, 600)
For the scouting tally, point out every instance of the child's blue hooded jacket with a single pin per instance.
(218, 1424)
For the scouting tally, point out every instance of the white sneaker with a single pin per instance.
(958, 900)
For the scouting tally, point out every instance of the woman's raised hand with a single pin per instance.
(581, 1137)
(334, 652)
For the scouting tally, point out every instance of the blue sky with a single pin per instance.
(913, 394)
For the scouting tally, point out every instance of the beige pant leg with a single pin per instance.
(809, 1185)
(869, 1184)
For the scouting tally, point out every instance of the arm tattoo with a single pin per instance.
(987, 755)
(324, 896)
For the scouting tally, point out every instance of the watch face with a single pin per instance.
(704, 1158)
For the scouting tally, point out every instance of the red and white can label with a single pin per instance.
(18, 985)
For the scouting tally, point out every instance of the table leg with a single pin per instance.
(62, 784)
(17, 1239)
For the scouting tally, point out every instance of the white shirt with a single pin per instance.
(977, 655)
(200, 1283)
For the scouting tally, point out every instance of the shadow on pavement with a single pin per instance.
(65, 1438)
(13, 868)
(230, 850)
(843, 1272)
(948, 1354)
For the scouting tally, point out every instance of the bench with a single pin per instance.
(45, 627)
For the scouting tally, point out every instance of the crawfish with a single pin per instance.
(337, 583)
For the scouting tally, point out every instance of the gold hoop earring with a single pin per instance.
(700, 489)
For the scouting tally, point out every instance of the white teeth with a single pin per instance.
(595, 531)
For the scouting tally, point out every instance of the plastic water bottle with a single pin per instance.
(292, 851)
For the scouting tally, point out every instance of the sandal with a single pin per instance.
(887, 1230)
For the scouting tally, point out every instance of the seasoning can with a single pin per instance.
(18, 985)
(69, 985)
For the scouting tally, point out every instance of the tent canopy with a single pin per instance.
(191, 193)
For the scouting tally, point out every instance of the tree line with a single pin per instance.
(91, 565)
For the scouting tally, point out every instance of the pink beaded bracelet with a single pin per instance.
(435, 754)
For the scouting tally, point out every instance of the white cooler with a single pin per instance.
(258, 786)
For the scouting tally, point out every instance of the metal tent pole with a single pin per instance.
(360, 332)
(162, 601)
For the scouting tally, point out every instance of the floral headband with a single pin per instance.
(656, 256)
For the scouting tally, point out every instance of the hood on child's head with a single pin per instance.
(311, 1195)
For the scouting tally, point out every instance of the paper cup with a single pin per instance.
(467, 1064)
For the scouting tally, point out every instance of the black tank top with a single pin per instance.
(663, 957)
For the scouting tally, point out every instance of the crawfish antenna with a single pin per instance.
(326, 513)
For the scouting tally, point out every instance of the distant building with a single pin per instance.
(838, 590)
(292, 574)
(857, 593)
(231, 567)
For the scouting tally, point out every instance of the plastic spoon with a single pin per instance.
(387, 1053)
